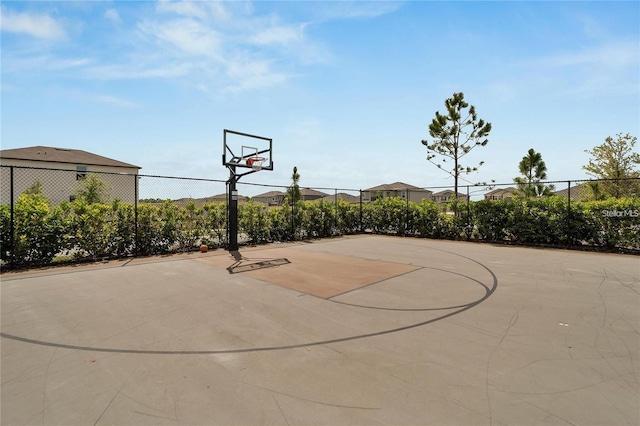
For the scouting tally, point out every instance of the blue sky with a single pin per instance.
(345, 89)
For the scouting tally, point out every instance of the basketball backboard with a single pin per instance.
(245, 150)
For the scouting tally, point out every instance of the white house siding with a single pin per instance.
(59, 180)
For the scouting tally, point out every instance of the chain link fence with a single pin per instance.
(52, 215)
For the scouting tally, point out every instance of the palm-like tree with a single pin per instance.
(534, 171)
(293, 192)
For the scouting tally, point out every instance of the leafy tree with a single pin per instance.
(455, 134)
(596, 193)
(92, 190)
(292, 198)
(616, 161)
(36, 189)
(534, 171)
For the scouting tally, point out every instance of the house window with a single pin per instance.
(81, 172)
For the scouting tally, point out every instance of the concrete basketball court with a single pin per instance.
(363, 330)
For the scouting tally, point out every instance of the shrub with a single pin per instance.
(318, 219)
(280, 220)
(38, 235)
(387, 215)
(189, 227)
(5, 233)
(93, 229)
(215, 224)
(427, 220)
(490, 219)
(348, 218)
(614, 223)
(157, 228)
(254, 222)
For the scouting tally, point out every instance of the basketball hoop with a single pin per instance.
(255, 162)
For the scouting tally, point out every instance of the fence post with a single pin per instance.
(470, 230)
(293, 216)
(135, 214)
(569, 238)
(335, 217)
(406, 224)
(361, 225)
(12, 238)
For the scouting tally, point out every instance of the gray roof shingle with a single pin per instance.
(61, 155)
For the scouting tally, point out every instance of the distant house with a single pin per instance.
(501, 194)
(308, 194)
(579, 192)
(271, 198)
(276, 198)
(396, 189)
(199, 202)
(446, 196)
(222, 198)
(60, 171)
(341, 196)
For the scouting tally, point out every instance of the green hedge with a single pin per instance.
(80, 229)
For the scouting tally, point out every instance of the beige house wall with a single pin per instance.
(272, 199)
(446, 197)
(415, 195)
(60, 181)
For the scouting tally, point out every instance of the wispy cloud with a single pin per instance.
(49, 62)
(113, 16)
(114, 101)
(249, 73)
(357, 9)
(603, 69)
(229, 47)
(610, 56)
(36, 25)
(184, 36)
(279, 35)
(183, 8)
(171, 69)
(218, 46)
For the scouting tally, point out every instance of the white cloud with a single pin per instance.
(35, 25)
(618, 55)
(599, 70)
(279, 35)
(113, 16)
(218, 47)
(246, 74)
(183, 8)
(114, 101)
(202, 10)
(125, 71)
(187, 35)
(357, 9)
(14, 64)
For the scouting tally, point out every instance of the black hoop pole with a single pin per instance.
(233, 209)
